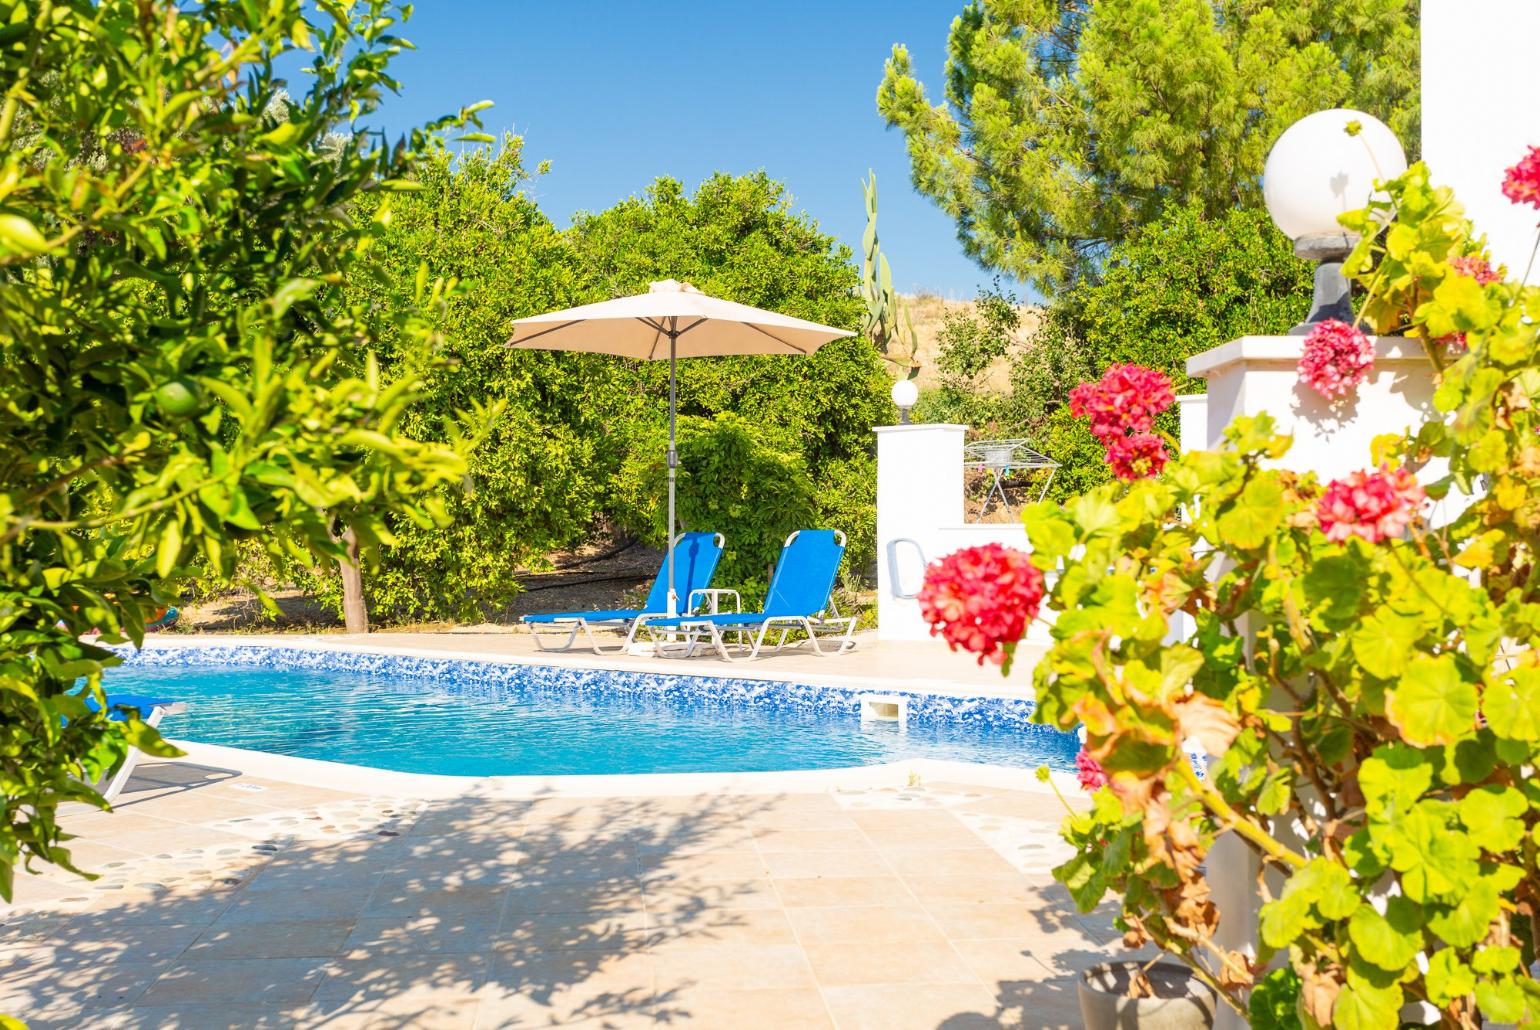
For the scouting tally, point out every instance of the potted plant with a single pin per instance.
(1365, 682)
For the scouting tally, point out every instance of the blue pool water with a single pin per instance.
(478, 719)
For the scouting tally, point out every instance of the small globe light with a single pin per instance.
(1322, 166)
(904, 394)
(1317, 171)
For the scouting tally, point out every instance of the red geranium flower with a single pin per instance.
(1137, 456)
(1337, 357)
(1477, 267)
(1125, 400)
(1372, 505)
(1122, 406)
(1521, 184)
(1090, 771)
(982, 597)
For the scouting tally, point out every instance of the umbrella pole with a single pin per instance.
(673, 461)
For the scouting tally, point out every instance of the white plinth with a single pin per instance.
(919, 488)
(1257, 374)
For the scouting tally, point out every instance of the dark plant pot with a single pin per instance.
(1181, 1002)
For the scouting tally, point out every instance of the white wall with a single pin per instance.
(920, 519)
(1481, 111)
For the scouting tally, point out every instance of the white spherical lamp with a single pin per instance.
(1317, 170)
(1325, 165)
(904, 394)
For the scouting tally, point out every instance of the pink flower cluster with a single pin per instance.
(1373, 506)
(980, 598)
(1337, 357)
(1521, 184)
(1090, 771)
(1122, 406)
(1477, 267)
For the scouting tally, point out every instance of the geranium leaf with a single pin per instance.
(1256, 514)
(1432, 704)
(1512, 705)
(1388, 941)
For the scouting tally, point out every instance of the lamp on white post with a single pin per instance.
(1322, 167)
(904, 394)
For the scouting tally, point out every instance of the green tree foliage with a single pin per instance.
(738, 238)
(578, 430)
(173, 234)
(751, 486)
(1066, 124)
(544, 470)
(1179, 286)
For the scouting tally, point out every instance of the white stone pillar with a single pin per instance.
(1480, 112)
(919, 489)
(1257, 374)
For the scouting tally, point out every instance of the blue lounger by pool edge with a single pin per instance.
(800, 597)
(152, 710)
(695, 561)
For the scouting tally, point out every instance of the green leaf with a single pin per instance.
(1448, 977)
(1432, 704)
(1501, 1000)
(1284, 919)
(1492, 815)
(1393, 779)
(169, 549)
(1362, 1006)
(1467, 923)
(1496, 959)
(1385, 641)
(1512, 705)
(1273, 1001)
(1390, 941)
(20, 236)
(1256, 514)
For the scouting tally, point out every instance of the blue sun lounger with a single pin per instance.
(695, 561)
(152, 710)
(800, 597)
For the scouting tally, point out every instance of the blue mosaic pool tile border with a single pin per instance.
(497, 679)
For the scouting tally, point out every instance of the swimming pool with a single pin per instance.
(477, 718)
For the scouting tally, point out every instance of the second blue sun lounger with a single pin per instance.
(695, 561)
(801, 597)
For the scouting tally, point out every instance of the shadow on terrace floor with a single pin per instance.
(558, 911)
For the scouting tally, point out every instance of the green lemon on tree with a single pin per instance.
(178, 398)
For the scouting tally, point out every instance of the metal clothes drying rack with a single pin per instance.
(1002, 459)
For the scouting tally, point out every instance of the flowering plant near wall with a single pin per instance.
(1363, 677)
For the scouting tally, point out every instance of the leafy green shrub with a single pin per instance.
(560, 456)
(737, 238)
(174, 232)
(1177, 287)
(540, 476)
(734, 478)
(1364, 675)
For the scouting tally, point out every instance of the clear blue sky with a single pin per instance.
(615, 94)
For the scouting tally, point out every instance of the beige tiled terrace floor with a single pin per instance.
(228, 901)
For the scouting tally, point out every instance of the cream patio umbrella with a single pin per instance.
(671, 320)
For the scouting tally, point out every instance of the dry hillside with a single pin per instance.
(930, 313)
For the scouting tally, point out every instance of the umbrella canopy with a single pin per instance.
(642, 325)
(671, 320)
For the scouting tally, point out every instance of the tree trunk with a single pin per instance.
(354, 614)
